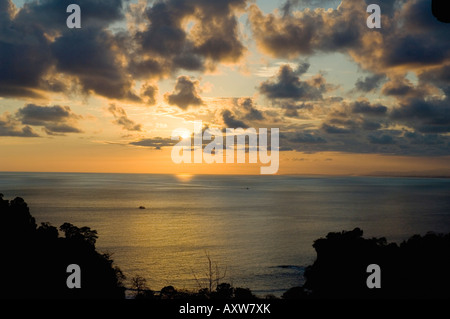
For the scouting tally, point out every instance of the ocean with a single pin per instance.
(258, 231)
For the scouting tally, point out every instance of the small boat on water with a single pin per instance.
(141, 207)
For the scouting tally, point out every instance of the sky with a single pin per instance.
(347, 99)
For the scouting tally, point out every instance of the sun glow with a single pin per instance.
(185, 135)
(184, 177)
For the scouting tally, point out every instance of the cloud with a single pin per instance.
(308, 31)
(307, 138)
(149, 92)
(382, 139)
(298, 110)
(403, 89)
(369, 83)
(24, 57)
(425, 116)
(332, 129)
(10, 127)
(438, 76)
(6, 8)
(363, 106)
(156, 142)
(40, 115)
(35, 45)
(166, 45)
(251, 113)
(425, 139)
(93, 57)
(230, 120)
(403, 41)
(410, 41)
(55, 119)
(287, 85)
(185, 93)
(122, 119)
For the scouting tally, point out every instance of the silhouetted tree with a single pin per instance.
(224, 291)
(84, 234)
(139, 284)
(168, 292)
(295, 293)
(243, 294)
(35, 259)
(418, 268)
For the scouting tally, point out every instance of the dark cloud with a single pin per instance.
(380, 142)
(60, 129)
(51, 14)
(216, 37)
(410, 41)
(388, 7)
(156, 142)
(412, 38)
(230, 120)
(35, 45)
(404, 39)
(332, 129)
(287, 85)
(55, 119)
(290, 5)
(165, 34)
(369, 125)
(307, 138)
(143, 67)
(355, 117)
(40, 115)
(417, 109)
(149, 93)
(185, 93)
(24, 56)
(417, 46)
(250, 111)
(425, 139)
(122, 119)
(98, 12)
(425, 116)
(397, 88)
(167, 45)
(364, 107)
(403, 89)
(300, 110)
(91, 55)
(10, 127)
(6, 9)
(369, 83)
(291, 35)
(439, 76)
(382, 139)
(35, 42)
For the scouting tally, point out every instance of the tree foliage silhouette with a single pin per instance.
(35, 259)
(417, 268)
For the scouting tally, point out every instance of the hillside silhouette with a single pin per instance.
(418, 268)
(35, 259)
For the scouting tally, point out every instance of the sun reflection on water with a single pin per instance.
(184, 177)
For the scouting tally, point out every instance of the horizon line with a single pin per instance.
(373, 174)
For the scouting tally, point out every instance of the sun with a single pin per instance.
(184, 177)
(185, 135)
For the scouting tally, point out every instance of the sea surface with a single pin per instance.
(258, 231)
